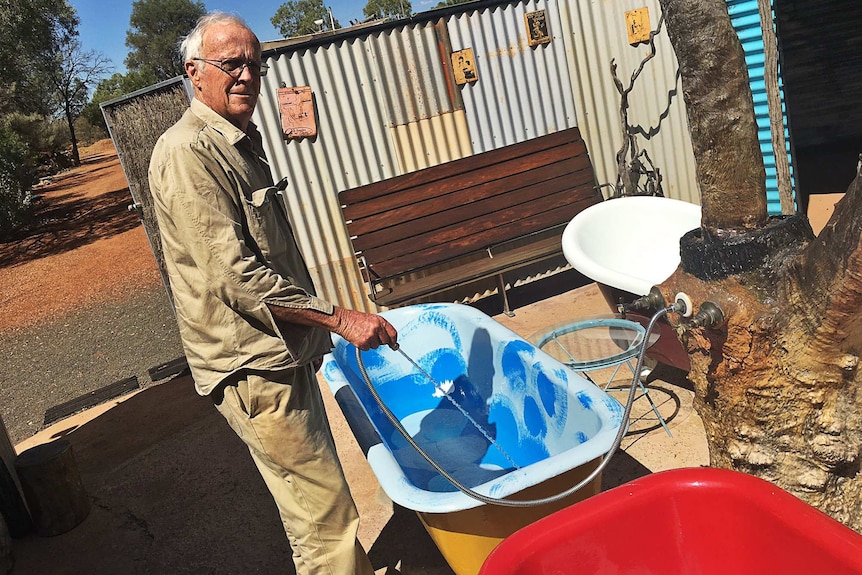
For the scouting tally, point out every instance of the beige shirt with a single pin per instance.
(229, 250)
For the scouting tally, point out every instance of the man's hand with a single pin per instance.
(364, 330)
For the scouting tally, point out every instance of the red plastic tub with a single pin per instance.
(698, 521)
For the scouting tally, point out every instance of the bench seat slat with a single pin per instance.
(470, 272)
(510, 172)
(477, 241)
(437, 227)
(453, 169)
(527, 184)
(554, 209)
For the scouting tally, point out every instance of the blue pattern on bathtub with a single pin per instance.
(547, 393)
(509, 388)
(585, 400)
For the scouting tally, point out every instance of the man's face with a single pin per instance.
(232, 98)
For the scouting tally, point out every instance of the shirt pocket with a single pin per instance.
(267, 223)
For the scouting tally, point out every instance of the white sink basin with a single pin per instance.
(630, 243)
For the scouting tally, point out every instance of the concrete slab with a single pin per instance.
(175, 491)
(820, 209)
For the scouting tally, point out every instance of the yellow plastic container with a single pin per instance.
(466, 538)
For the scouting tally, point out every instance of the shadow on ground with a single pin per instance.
(173, 490)
(74, 220)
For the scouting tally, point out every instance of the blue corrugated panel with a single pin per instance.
(745, 17)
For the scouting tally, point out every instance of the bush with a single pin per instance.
(16, 178)
(39, 134)
(89, 133)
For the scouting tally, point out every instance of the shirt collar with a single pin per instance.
(231, 133)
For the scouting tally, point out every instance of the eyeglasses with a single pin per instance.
(233, 67)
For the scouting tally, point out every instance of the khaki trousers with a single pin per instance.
(281, 417)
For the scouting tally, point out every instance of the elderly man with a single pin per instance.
(252, 328)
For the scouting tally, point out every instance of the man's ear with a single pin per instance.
(193, 73)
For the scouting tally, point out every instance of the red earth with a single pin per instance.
(85, 247)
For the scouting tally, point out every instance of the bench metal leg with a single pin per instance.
(501, 287)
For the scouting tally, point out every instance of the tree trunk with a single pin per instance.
(776, 111)
(776, 382)
(76, 155)
(721, 119)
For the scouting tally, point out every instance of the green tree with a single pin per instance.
(16, 175)
(156, 29)
(43, 138)
(300, 17)
(446, 3)
(88, 133)
(388, 9)
(32, 31)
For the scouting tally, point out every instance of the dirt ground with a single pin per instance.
(85, 248)
(82, 304)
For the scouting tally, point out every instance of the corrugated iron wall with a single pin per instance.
(596, 35)
(522, 91)
(350, 149)
(745, 17)
(383, 107)
(386, 104)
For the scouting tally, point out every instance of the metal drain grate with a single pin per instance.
(169, 369)
(91, 399)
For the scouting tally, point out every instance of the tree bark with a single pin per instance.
(776, 111)
(76, 154)
(721, 119)
(777, 382)
(52, 487)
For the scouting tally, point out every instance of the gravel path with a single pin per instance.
(57, 361)
(82, 304)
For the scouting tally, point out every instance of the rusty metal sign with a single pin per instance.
(464, 66)
(537, 28)
(296, 105)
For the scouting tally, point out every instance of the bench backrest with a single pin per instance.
(446, 211)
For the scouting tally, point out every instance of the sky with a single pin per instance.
(103, 23)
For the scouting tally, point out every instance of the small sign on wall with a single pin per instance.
(537, 28)
(637, 25)
(296, 105)
(464, 66)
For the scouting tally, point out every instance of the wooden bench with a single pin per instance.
(451, 224)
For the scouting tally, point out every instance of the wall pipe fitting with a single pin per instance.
(708, 315)
(653, 300)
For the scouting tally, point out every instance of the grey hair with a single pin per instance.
(191, 45)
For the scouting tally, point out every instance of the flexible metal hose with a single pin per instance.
(534, 502)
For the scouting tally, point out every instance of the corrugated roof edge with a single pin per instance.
(274, 47)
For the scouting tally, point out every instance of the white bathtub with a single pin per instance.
(629, 243)
(549, 425)
(546, 417)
